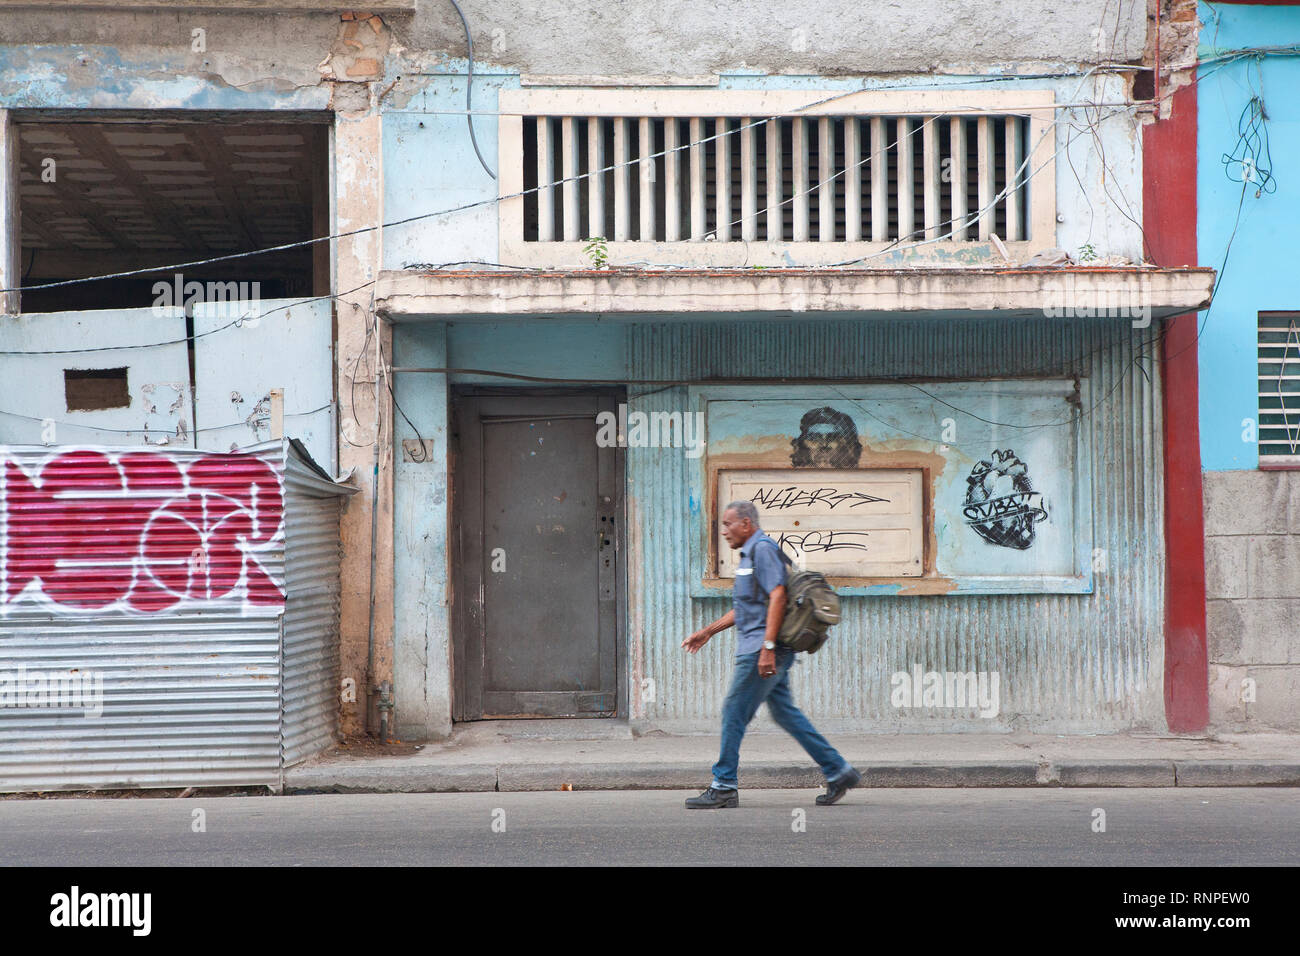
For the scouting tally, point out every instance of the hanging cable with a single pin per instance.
(469, 90)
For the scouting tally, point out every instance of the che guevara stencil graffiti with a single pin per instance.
(143, 532)
(1001, 505)
(827, 439)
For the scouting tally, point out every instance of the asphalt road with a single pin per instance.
(1047, 827)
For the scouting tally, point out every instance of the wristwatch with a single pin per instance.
(769, 646)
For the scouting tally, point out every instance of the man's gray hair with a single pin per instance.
(743, 509)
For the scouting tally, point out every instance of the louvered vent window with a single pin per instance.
(785, 179)
(1279, 388)
(750, 178)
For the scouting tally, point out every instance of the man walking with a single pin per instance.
(762, 671)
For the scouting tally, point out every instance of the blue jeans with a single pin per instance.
(748, 691)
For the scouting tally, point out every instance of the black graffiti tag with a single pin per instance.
(812, 541)
(795, 497)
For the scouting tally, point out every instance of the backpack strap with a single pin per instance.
(785, 558)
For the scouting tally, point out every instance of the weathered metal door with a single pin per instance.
(538, 534)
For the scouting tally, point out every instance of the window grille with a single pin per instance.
(699, 188)
(1279, 388)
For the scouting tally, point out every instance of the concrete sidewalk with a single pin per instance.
(514, 755)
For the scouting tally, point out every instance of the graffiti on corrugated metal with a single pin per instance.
(827, 439)
(1001, 504)
(93, 530)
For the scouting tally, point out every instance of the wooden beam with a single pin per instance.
(94, 144)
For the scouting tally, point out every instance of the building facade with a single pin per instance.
(1250, 356)
(549, 305)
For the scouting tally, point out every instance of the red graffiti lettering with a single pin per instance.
(96, 529)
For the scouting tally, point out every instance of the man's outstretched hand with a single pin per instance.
(697, 640)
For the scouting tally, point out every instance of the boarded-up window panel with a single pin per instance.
(93, 389)
(860, 523)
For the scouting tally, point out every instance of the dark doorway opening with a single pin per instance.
(105, 195)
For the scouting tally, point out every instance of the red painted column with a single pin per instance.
(1169, 219)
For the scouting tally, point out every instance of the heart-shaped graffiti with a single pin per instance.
(1001, 505)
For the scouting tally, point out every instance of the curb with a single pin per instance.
(517, 778)
(1228, 773)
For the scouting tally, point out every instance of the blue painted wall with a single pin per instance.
(1087, 661)
(1260, 272)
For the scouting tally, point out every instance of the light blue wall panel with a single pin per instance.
(1259, 272)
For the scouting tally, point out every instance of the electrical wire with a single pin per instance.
(370, 329)
(974, 109)
(246, 317)
(469, 90)
(144, 431)
(1252, 154)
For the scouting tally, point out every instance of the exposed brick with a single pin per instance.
(364, 67)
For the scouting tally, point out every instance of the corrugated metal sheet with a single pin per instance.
(161, 576)
(1068, 663)
(311, 614)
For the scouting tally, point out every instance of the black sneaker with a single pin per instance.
(839, 788)
(714, 799)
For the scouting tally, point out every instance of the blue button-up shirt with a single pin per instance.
(761, 569)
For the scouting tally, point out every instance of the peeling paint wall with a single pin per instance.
(832, 37)
(226, 407)
(158, 378)
(401, 149)
(1089, 661)
(433, 167)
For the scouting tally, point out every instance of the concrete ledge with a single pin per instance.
(1232, 773)
(888, 294)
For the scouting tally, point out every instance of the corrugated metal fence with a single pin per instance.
(167, 617)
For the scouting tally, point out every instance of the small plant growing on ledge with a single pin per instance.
(1087, 253)
(597, 251)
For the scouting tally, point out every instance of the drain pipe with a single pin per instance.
(371, 689)
(385, 710)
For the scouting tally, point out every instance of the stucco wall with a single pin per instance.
(829, 37)
(678, 36)
(1259, 271)
(1252, 518)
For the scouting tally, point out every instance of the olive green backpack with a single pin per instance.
(811, 607)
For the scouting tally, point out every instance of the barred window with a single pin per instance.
(1279, 388)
